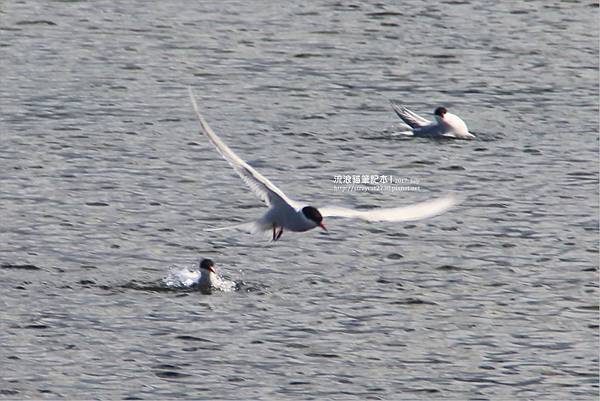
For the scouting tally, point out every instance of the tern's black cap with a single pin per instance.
(206, 264)
(440, 111)
(312, 213)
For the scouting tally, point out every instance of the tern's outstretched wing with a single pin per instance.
(411, 119)
(417, 211)
(258, 183)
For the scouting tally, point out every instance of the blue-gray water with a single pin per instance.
(105, 183)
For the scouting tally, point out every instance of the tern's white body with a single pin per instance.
(287, 214)
(207, 280)
(446, 126)
(287, 217)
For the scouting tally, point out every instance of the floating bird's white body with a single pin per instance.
(446, 125)
(207, 280)
(284, 213)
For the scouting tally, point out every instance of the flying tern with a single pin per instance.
(284, 213)
(446, 125)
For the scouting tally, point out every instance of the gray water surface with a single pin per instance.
(105, 183)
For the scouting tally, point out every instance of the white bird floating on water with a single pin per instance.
(284, 213)
(447, 125)
(205, 278)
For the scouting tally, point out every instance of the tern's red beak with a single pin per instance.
(323, 226)
(212, 269)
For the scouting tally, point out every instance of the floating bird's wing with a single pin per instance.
(434, 130)
(417, 211)
(411, 119)
(258, 183)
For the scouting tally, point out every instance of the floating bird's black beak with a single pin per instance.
(323, 226)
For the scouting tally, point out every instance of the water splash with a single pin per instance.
(181, 277)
